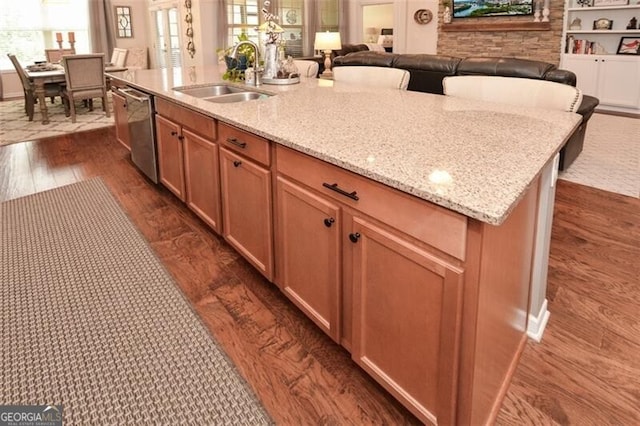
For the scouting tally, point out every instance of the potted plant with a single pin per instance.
(236, 66)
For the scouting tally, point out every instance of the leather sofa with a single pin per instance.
(428, 71)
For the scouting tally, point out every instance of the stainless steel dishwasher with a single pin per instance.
(140, 116)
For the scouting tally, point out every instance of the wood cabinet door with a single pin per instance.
(246, 212)
(121, 119)
(308, 253)
(170, 156)
(202, 178)
(406, 323)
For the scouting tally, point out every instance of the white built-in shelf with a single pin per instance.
(603, 31)
(586, 9)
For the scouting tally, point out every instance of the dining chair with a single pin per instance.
(51, 90)
(85, 80)
(118, 57)
(307, 68)
(514, 91)
(55, 55)
(137, 58)
(390, 78)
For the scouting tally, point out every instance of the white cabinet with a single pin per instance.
(592, 54)
(613, 79)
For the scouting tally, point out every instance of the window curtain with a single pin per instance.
(101, 31)
(221, 32)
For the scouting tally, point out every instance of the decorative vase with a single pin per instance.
(446, 15)
(270, 61)
(545, 12)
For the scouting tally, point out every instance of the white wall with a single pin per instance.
(139, 24)
(420, 38)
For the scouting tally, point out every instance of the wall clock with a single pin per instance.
(423, 16)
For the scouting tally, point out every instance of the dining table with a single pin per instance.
(41, 74)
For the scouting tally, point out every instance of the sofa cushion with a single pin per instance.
(504, 67)
(349, 48)
(427, 71)
(373, 59)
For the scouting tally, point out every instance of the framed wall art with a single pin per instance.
(123, 22)
(629, 46)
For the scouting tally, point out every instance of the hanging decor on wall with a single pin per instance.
(123, 22)
(423, 16)
(189, 20)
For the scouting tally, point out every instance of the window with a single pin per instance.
(291, 16)
(243, 16)
(168, 53)
(294, 17)
(28, 27)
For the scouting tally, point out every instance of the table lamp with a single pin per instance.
(371, 32)
(327, 42)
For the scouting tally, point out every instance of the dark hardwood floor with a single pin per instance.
(586, 370)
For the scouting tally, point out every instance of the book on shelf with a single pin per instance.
(582, 47)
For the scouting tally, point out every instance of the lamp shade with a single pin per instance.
(327, 41)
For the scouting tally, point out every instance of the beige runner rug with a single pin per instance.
(91, 320)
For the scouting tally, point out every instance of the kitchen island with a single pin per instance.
(402, 223)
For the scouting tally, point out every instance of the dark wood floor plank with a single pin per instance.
(585, 370)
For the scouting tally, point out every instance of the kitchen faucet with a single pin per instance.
(256, 74)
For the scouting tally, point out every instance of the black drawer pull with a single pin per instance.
(181, 137)
(174, 133)
(237, 143)
(328, 222)
(354, 237)
(353, 195)
(237, 163)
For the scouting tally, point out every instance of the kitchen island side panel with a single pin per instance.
(495, 309)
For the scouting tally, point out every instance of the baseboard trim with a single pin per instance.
(537, 323)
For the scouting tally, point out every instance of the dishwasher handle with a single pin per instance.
(134, 94)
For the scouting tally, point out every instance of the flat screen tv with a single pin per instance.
(482, 8)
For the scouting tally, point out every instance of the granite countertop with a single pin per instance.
(475, 158)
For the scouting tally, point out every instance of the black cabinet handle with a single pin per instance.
(328, 222)
(181, 137)
(236, 142)
(237, 163)
(354, 237)
(334, 187)
(174, 133)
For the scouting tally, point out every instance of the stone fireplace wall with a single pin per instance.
(541, 45)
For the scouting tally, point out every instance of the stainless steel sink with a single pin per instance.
(221, 93)
(236, 97)
(209, 91)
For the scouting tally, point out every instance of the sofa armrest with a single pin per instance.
(561, 76)
(587, 107)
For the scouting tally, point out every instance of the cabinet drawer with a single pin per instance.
(199, 123)
(244, 143)
(432, 224)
